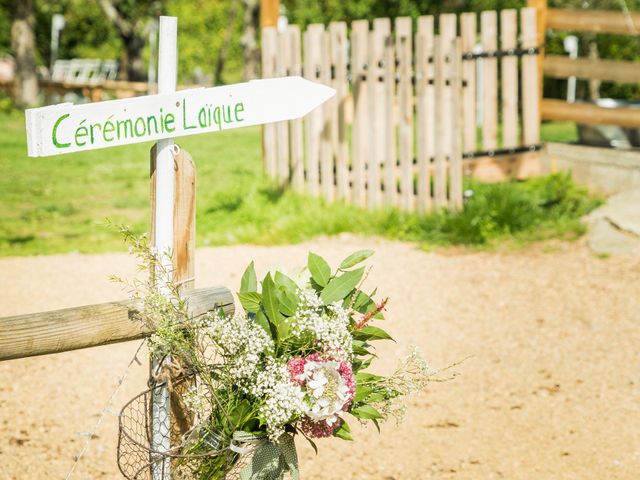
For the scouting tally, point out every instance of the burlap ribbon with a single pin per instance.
(270, 460)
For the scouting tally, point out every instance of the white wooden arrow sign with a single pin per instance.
(67, 128)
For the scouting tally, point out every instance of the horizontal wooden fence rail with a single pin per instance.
(558, 66)
(553, 109)
(92, 325)
(594, 21)
(405, 112)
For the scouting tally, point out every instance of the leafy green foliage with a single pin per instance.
(319, 268)
(249, 283)
(339, 287)
(355, 258)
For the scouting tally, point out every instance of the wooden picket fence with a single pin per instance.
(402, 129)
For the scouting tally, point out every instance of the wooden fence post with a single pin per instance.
(283, 58)
(468, 34)
(389, 121)
(269, 142)
(338, 33)
(425, 110)
(509, 84)
(361, 79)
(314, 121)
(529, 164)
(541, 29)
(183, 259)
(296, 135)
(404, 52)
(489, 27)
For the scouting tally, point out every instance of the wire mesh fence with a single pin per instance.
(139, 460)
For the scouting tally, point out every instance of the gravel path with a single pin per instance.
(551, 391)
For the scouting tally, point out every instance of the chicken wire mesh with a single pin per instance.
(138, 460)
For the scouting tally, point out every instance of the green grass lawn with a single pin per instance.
(59, 204)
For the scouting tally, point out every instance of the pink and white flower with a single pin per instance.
(329, 388)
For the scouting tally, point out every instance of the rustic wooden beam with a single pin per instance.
(596, 21)
(558, 66)
(553, 109)
(91, 325)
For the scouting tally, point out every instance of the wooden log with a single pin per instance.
(425, 110)
(509, 84)
(468, 35)
(361, 83)
(296, 134)
(404, 52)
(557, 66)
(553, 109)
(595, 21)
(338, 32)
(313, 121)
(489, 27)
(269, 149)
(530, 86)
(92, 325)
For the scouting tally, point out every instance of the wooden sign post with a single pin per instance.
(67, 128)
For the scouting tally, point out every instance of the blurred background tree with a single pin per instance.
(219, 39)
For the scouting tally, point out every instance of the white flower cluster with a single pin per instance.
(330, 329)
(242, 343)
(282, 399)
(328, 391)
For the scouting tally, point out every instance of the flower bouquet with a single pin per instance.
(295, 361)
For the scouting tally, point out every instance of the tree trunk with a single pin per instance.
(224, 48)
(250, 51)
(25, 85)
(132, 67)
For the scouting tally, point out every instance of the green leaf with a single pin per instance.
(240, 414)
(362, 302)
(374, 333)
(361, 393)
(355, 258)
(249, 283)
(362, 377)
(344, 432)
(262, 320)
(359, 348)
(288, 302)
(366, 412)
(270, 299)
(376, 423)
(375, 397)
(282, 280)
(340, 287)
(313, 444)
(319, 268)
(250, 301)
